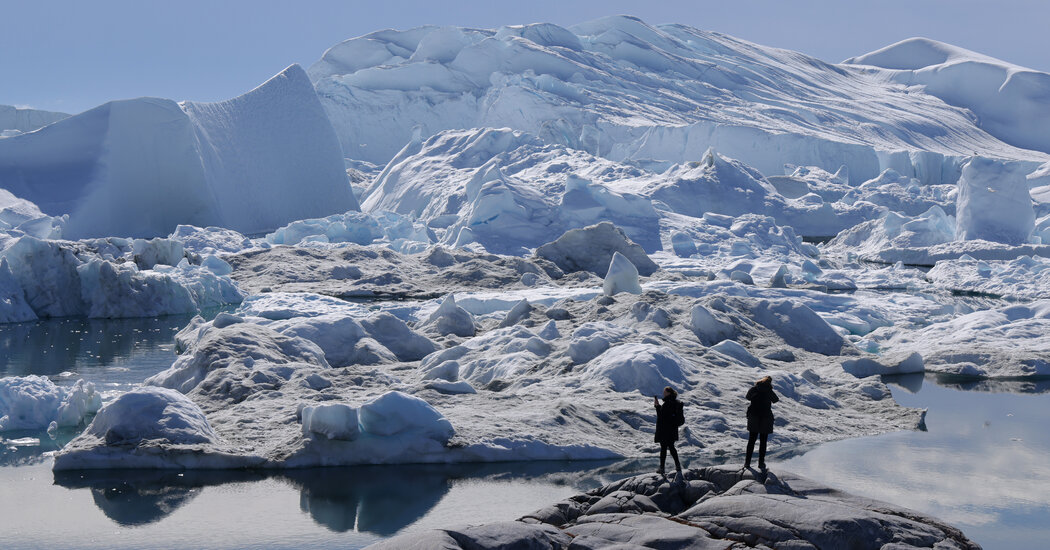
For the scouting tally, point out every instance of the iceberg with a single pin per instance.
(141, 167)
(622, 89)
(35, 402)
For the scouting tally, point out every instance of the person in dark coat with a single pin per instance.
(760, 419)
(669, 417)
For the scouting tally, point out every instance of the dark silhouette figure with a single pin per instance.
(669, 417)
(760, 419)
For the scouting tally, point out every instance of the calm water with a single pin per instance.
(981, 465)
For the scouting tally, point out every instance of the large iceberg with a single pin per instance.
(1009, 100)
(107, 278)
(623, 89)
(140, 167)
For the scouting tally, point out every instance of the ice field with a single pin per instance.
(453, 246)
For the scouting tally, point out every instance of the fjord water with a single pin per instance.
(980, 465)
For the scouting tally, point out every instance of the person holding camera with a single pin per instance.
(669, 416)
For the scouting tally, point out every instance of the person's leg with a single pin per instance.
(750, 448)
(762, 451)
(674, 455)
(663, 457)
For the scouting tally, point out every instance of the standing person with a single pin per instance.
(760, 419)
(669, 417)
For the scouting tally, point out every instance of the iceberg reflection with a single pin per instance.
(379, 500)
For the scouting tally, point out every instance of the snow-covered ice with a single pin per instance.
(34, 402)
(451, 245)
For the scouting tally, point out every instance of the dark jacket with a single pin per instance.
(759, 412)
(667, 416)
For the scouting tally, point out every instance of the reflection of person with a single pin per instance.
(760, 419)
(669, 417)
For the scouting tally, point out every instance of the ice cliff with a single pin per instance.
(141, 167)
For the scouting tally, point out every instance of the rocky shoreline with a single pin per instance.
(713, 507)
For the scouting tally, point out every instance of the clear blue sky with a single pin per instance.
(70, 55)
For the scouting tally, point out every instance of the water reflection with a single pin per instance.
(25, 447)
(1021, 385)
(140, 497)
(50, 347)
(381, 500)
(981, 464)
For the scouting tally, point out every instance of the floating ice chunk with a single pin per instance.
(47, 272)
(59, 279)
(80, 401)
(1026, 277)
(449, 318)
(621, 276)
(645, 368)
(151, 428)
(337, 335)
(332, 420)
(316, 382)
(445, 370)
(591, 249)
(893, 230)
(28, 402)
(396, 413)
(119, 290)
(994, 203)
